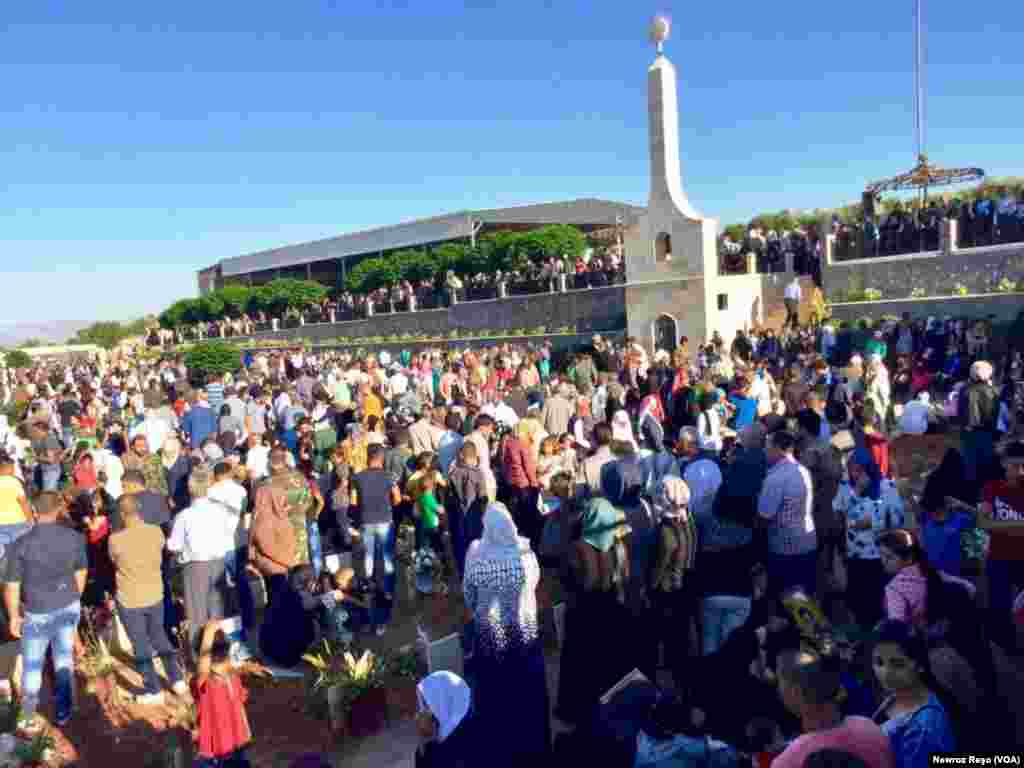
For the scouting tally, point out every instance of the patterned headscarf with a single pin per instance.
(672, 498)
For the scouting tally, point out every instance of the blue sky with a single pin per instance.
(140, 141)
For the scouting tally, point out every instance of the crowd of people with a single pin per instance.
(994, 220)
(723, 521)
(589, 270)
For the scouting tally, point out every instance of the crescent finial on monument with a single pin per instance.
(661, 26)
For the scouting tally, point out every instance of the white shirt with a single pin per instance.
(257, 461)
(761, 392)
(229, 493)
(501, 413)
(203, 532)
(155, 430)
(233, 496)
(711, 439)
(399, 384)
(112, 467)
(793, 291)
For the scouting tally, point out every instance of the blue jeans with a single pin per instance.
(316, 557)
(171, 617)
(145, 629)
(55, 630)
(722, 614)
(379, 540)
(234, 760)
(235, 564)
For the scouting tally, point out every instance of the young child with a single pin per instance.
(220, 704)
(428, 513)
(345, 610)
(549, 462)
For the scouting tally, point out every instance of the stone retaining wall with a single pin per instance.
(926, 275)
(589, 311)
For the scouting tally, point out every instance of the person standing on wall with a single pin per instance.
(791, 298)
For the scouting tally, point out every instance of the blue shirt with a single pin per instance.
(941, 539)
(916, 735)
(199, 423)
(746, 410)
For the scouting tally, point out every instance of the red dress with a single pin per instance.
(223, 724)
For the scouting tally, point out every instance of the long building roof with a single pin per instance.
(451, 226)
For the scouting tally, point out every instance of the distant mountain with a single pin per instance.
(55, 331)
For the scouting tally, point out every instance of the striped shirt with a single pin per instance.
(786, 502)
(215, 395)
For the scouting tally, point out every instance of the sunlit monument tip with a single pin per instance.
(661, 27)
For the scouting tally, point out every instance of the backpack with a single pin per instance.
(836, 410)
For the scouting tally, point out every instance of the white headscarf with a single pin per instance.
(501, 539)
(622, 429)
(447, 697)
(981, 370)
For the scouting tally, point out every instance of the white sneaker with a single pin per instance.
(150, 699)
(180, 688)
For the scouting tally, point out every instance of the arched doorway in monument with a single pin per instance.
(663, 247)
(666, 334)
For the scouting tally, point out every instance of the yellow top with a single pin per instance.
(11, 492)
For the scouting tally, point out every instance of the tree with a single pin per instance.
(371, 274)
(17, 358)
(192, 311)
(419, 265)
(289, 293)
(174, 316)
(213, 357)
(34, 342)
(503, 251)
(449, 256)
(736, 232)
(235, 299)
(211, 306)
(105, 334)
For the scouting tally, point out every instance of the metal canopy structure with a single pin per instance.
(923, 176)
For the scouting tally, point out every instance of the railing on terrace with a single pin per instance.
(426, 299)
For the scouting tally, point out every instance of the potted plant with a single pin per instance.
(97, 665)
(37, 752)
(326, 674)
(363, 695)
(356, 702)
(404, 670)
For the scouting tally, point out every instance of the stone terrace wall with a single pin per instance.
(979, 270)
(1004, 306)
(586, 311)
